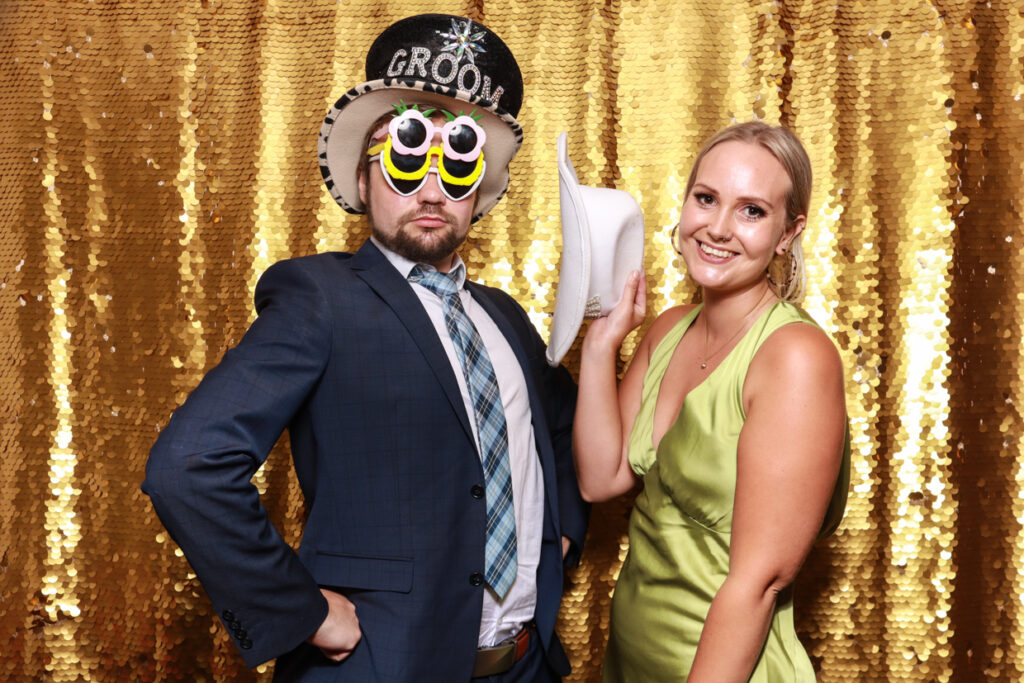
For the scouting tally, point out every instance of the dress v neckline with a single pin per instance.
(686, 325)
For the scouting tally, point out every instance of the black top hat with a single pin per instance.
(435, 59)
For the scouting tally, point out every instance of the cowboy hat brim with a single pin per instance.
(602, 243)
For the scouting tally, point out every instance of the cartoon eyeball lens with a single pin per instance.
(406, 155)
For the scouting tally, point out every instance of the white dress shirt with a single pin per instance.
(500, 619)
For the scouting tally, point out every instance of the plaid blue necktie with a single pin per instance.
(500, 570)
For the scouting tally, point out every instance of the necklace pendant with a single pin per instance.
(704, 365)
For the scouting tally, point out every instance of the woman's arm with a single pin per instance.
(788, 459)
(599, 437)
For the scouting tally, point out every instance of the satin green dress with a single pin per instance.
(680, 525)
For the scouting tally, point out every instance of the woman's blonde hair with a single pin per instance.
(787, 275)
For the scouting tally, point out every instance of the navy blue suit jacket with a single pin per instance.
(343, 355)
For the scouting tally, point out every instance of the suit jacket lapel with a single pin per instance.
(378, 273)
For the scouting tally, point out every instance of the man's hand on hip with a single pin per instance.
(339, 634)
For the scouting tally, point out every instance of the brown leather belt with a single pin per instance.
(491, 661)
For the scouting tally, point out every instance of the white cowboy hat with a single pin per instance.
(602, 243)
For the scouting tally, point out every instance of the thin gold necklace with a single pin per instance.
(743, 323)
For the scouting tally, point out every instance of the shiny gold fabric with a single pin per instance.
(157, 155)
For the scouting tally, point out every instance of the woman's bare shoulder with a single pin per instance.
(665, 322)
(795, 357)
(656, 332)
(800, 344)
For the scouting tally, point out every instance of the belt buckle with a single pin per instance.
(497, 659)
(491, 661)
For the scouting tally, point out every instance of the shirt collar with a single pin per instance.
(404, 266)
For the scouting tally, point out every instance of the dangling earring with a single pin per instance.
(791, 274)
(675, 230)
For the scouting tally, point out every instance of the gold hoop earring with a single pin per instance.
(675, 230)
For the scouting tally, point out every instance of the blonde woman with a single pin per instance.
(732, 413)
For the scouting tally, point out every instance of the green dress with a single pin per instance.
(680, 526)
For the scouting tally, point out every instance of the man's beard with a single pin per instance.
(426, 247)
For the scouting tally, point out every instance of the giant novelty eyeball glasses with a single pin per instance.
(407, 154)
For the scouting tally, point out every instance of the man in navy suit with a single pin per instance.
(362, 362)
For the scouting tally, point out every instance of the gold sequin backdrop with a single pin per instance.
(157, 155)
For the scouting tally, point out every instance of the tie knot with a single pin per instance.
(439, 283)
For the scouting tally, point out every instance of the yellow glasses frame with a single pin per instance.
(383, 151)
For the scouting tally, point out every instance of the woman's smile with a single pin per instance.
(716, 253)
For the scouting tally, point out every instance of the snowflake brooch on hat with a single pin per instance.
(462, 41)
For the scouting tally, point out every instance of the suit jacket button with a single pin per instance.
(476, 579)
(245, 644)
(228, 615)
(477, 491)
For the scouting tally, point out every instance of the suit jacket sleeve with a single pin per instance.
(199, 470)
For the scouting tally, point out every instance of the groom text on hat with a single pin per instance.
(444, 68)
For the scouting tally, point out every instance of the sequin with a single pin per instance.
(158, 158)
